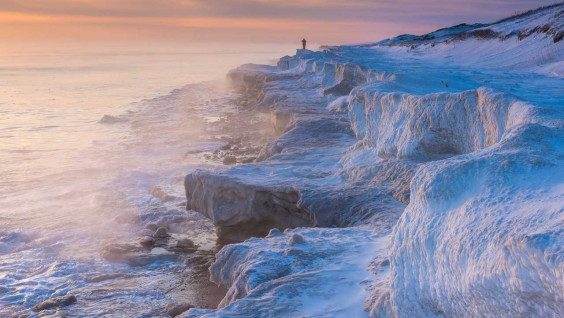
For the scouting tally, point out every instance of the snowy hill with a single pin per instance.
(524, 42)
(415, 177)
(545, 22)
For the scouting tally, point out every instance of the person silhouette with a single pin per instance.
(304, 43)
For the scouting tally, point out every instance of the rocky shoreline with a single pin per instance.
(403, 183)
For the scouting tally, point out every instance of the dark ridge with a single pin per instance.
(558, 37)
(484, 34)
(458, 26)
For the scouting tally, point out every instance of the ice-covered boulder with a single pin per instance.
(240, 210)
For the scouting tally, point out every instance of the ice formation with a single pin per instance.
(424, 175)
(277, 277)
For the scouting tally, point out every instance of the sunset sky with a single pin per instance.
(321, 21)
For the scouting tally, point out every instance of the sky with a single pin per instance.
(260, 21)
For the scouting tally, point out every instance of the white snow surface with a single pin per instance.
(446, 160)
(532, 42)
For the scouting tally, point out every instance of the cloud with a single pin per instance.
(327, 20)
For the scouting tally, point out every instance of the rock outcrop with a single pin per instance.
(55, 302)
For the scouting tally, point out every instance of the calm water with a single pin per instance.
(73, 184)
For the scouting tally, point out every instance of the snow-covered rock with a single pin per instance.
(328, 276)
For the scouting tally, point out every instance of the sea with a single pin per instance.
(95, 141)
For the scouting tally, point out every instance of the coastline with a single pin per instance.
(419, 176)
(396, 145)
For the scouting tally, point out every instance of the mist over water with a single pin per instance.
(94, 145)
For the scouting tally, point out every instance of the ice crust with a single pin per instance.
(444, 160)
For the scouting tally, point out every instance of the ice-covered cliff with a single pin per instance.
(421, 176)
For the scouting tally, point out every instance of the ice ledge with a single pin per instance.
(241, 210)
(296, 180)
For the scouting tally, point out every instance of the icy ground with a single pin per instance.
(421, 176)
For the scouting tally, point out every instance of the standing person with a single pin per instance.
(304, 43)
